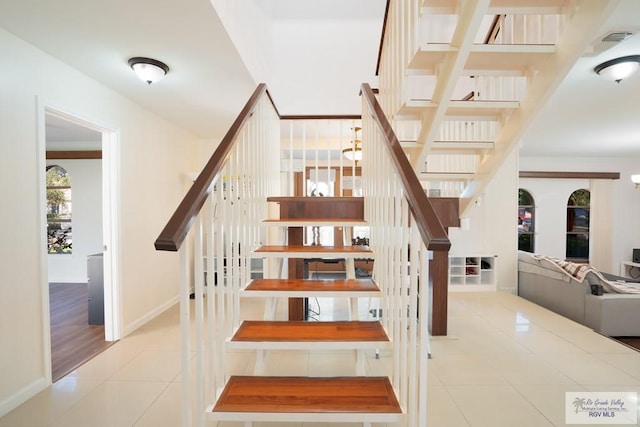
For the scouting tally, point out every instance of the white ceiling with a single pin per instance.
(207, 79)
(63, 135)
(588, 115)
(208, 82)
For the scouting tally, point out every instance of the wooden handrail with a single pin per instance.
(322, 117)
(496, 26)
(178, 226)
(569, 175)
(382, 34)
(431, 229)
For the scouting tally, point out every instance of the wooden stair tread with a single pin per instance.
(315, 251)
(311, 248)
(317, 222)
(301, 285)
(299, 331)
(308, 395)
(300, 288)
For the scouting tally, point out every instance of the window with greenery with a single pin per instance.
(578, 208)
(58, 210)
(526, 214)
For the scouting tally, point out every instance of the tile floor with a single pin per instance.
(506, 362)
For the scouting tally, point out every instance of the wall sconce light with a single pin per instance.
(636, 180)
(149, 70)
(618, 68)
(354, 153)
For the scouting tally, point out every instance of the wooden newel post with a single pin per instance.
(439, 296)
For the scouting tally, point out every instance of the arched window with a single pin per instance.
(578, 208)
(58, 210)
(526, 216)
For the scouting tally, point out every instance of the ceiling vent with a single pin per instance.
(617, 36)
(606, 41)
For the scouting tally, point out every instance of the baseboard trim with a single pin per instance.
(67, 280)
(150, 316)
(18, 398)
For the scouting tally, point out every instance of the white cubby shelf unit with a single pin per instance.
(472, 272)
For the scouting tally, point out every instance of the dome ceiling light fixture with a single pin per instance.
(354, 153)
(618, 69)
(149, 70)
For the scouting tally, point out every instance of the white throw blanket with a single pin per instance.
(579, 272)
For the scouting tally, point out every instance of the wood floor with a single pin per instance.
(73, 340)
(630, 341)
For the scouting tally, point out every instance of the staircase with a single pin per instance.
(219, 227)
(462, 80)
(356, 398)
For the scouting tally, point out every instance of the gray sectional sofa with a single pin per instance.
(611, 314)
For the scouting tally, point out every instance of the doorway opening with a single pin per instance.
(80, 288)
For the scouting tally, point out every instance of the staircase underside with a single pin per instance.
(473, 54)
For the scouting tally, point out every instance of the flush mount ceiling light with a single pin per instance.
(149, 70)
(354, 153)
(618, 68)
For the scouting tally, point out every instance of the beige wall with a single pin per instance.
(551, 197)
(493, 226)
(502, 222)
(154, 156)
